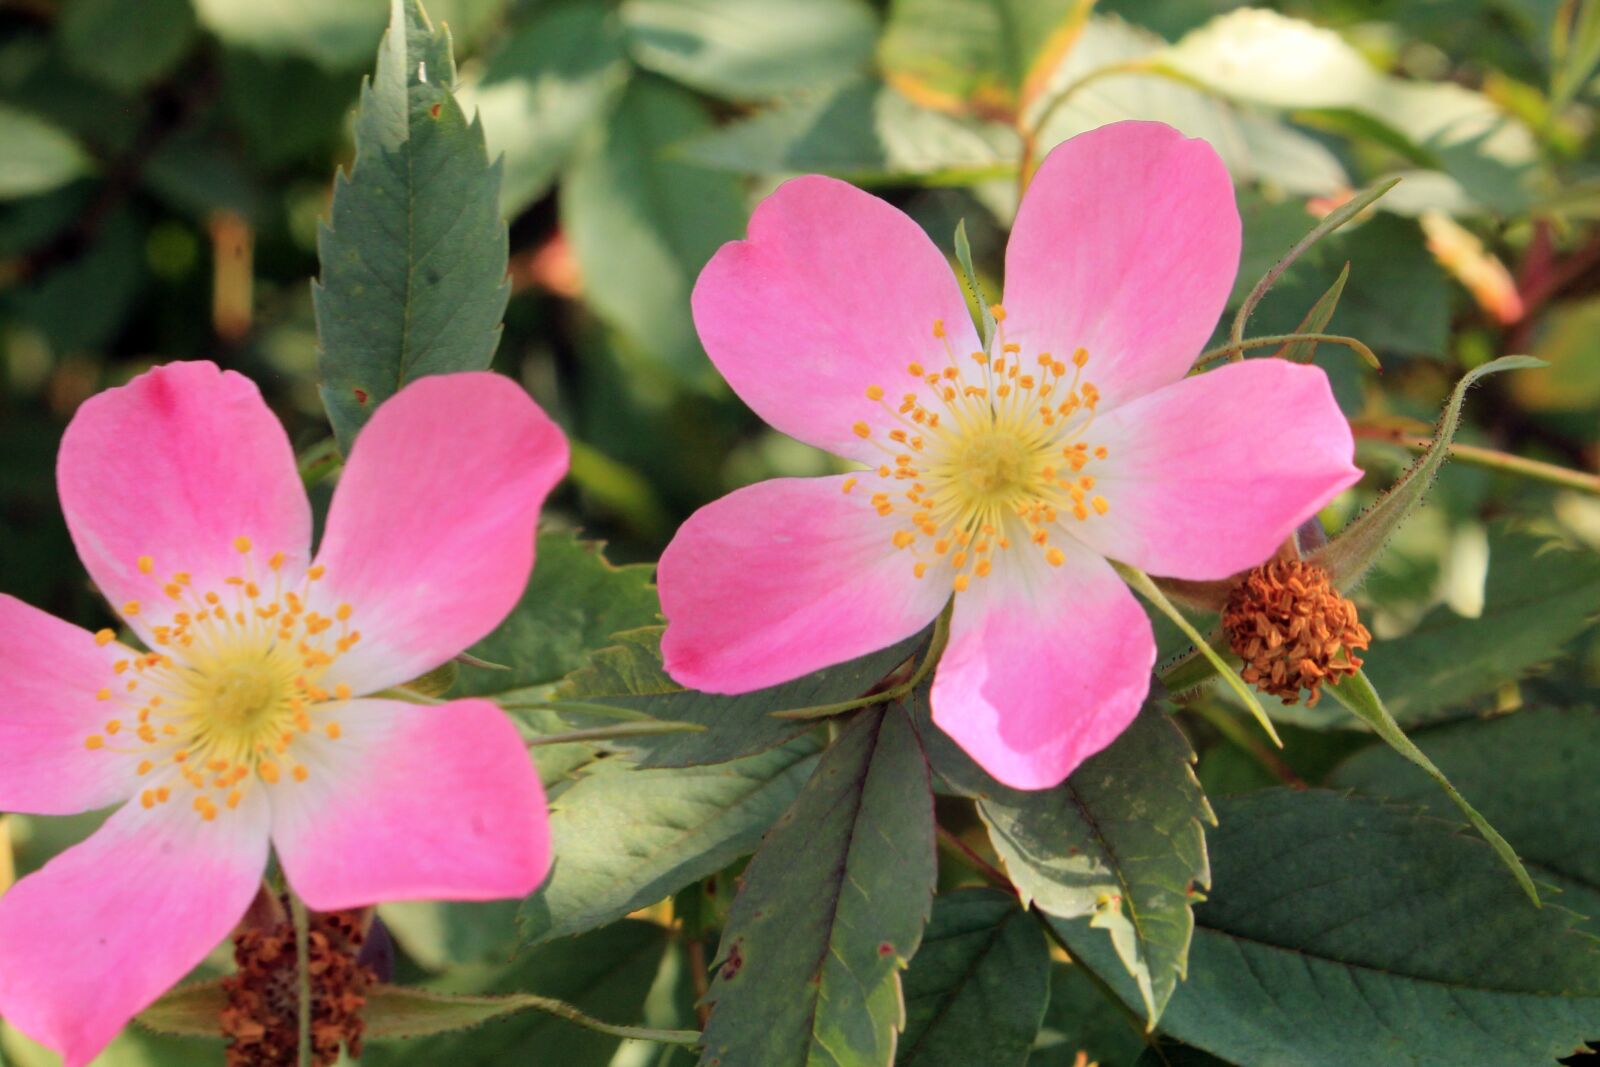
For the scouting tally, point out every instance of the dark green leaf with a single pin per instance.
(191, 1010)
(605, 974)
(1537, 598)
(1122, 840)
(976, 989)
(751, 49)
(629, 678)
(833, 905)
(1085, 1017)
(1531, 772)
(625, 838)
(414, 261)
(100, 41)
(1316, 321)
(334, 35)
(861, 131)
(642, 224)
(574, 602)
(1342, 930)
(551, 79)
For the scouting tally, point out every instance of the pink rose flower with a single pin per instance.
(250, 721)
(1007, 477)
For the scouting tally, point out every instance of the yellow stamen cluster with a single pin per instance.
(985, 453)
(230, 683)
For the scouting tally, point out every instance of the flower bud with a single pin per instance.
(1293, 629)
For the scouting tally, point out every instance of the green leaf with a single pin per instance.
(642, 224)
(1335, 218)
(334, 35)
(1085, 1017)
(751, 49)
(977, 988)
(1122, 840)
(981, 56)
(1342, 930)
(1538, 596)
(1262, 56)
(414, 261)
(552, 78)
(38, 156)
(625, 838)
(398, 1011)
(1316, 321)
(1356, 694)
(629, 678)
(970, 277)
(1531, 772)
(442, 934)
(574, 602)
(833, 905)
(861, 131)
(1348, 556)
(605, 974)
(193, 1009)
(100, 41)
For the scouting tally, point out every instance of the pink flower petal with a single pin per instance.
(430, 534)
(412, 803)
(53, 673)
(109, 925)
(783, 578)
(1045, 666)
(833, 292)
(175, 465)
(1207, 476)
(1126, 244)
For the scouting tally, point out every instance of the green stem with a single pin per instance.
(1488, 458)
(1238, 346)
(1141, 583)
(302, 964)
(964, 852)
(1240, 736)
(936, 646)
(562, 1010)
(619, 730)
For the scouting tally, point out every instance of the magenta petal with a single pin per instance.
(431, 531)
(833, 292)
(109, 925)
(175, 466)
(412, 803)
(783, 578)
(1126, 244)
(1045, 666)
(1207, 476)
(53, 671)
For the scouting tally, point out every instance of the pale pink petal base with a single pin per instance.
(51, 672)
(413, 803)
(783, 578)
(109, 925)
(175, 465)
(431, 531)
(1045, 666)
(1206, 477)
(834, 291)
(1126, 244)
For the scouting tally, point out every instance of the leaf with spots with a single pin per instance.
(1121, 841)
(833, 905)
(1344, 930)
(414, 260)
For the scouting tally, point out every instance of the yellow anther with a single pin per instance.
(300, 773)
(131, 608)
(998, 312)
(1100, 504)
(341, 691)
(961, 583)
(94, 742)
(344, 612)
(316, 572)
(914, 369)
(982, 569)
(241, 544)
(148, 798)
(861, 430)
(114, 727)
(1080, 356)
(104, 638)
(1054, 557)
(234, 798)
(333, 731)
(145, 766)
(849, 484)
(103, 694)
(276, 561)
(146, 564)
(268, 771)
(1101, 453)
(920, 569)
(904, 538)
(874, 392)
(938, 327)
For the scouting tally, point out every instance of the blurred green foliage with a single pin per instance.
(164, 168)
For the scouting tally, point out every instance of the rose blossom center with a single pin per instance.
(230, 688)
(993, 457)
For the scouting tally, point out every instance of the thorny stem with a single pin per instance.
(1489, 458)
(965, 853)
(302, 965)
(1238, 346)
(936, 645)
(695, 949)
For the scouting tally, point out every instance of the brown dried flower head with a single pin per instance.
(1293, 629)
(261, 1019)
